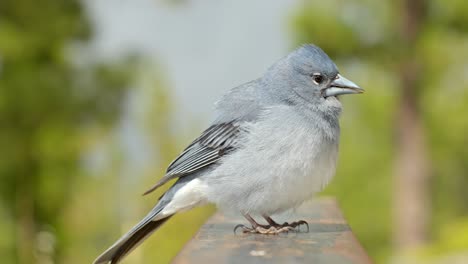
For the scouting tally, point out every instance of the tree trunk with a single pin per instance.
(411, 201)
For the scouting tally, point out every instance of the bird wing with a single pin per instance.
(238, 107)
(215, 142)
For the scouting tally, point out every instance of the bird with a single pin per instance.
(272, 145)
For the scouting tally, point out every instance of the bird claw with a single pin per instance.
(265, 230)
(293, 225)
(297, 224)
(272, 229)
(240, 226)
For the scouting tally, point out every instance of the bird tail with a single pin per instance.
(129, 241)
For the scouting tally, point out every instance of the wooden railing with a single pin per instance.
(329, 240)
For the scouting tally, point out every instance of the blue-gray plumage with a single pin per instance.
(273, 145)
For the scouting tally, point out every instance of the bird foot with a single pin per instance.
(265, 230)
(293, 225)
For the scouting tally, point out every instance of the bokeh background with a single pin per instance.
(97, 97)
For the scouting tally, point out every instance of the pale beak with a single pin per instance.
(340, 85)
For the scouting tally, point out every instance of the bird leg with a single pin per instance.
(256, 227)
(285, 225)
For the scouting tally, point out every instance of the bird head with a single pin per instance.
(308, 74)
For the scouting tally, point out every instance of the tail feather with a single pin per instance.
(129, 241)
(154, 219)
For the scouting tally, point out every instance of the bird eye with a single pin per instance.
(318, 78)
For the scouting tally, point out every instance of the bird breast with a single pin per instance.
(283, 160)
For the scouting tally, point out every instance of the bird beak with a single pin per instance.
(341, 85)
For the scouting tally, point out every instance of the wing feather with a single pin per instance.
(206, 150)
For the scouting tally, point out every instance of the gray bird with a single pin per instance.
(273, 145)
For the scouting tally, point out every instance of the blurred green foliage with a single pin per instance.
(56, 110)
(50, 110)
(57, 115)
(362, 36)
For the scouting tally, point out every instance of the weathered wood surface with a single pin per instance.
(329, 240)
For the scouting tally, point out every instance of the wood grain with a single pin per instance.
(329, 240)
